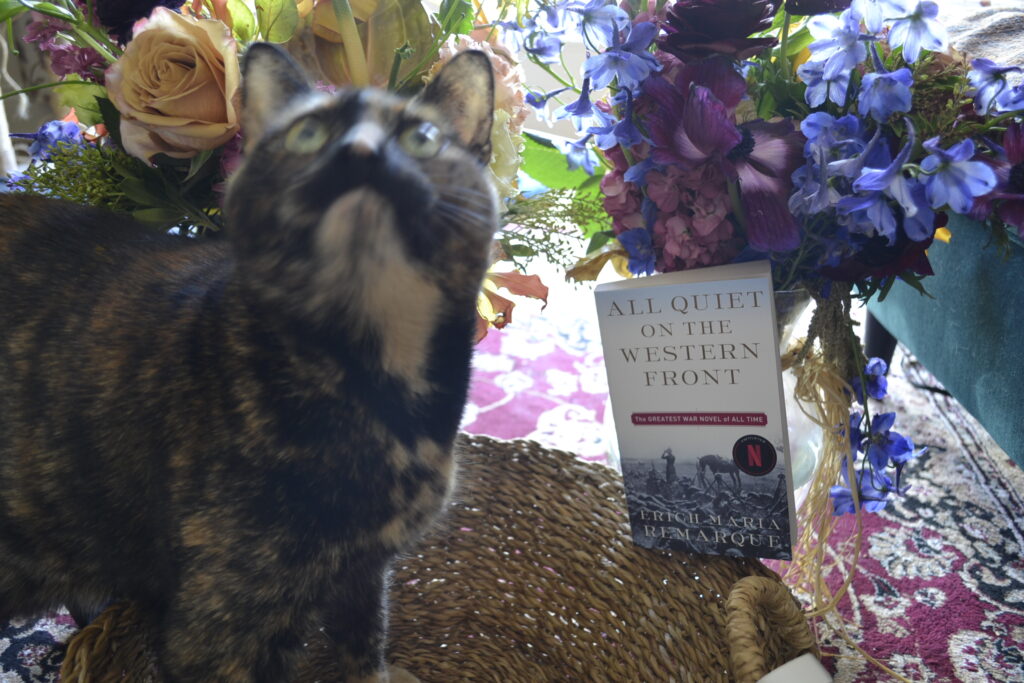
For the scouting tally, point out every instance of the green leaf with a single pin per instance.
(277, 19)
(136, 190)
(10, 9)
(51, 10)
(798, 42)
(456, 16)
(158, 215)
(83, 97)
(545, 164)
(111, 119)
(519, 250)
(599, 240)
(243, 21)
(198, 161)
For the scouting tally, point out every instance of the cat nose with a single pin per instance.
(363, 139)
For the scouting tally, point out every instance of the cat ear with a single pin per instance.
(270, 81)
(463, 92)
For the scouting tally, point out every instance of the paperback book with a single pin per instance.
(696, 393)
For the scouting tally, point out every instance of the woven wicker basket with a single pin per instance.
(533, 577)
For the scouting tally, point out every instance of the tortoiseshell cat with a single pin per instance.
(241, 434)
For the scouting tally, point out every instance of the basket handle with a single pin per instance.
(757, 606)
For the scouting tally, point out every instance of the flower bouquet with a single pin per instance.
(153, 90)
(833, 137)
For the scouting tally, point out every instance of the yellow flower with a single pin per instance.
(176, 86)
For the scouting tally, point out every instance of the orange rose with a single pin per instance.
(176, 86)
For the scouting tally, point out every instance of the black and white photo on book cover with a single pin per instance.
(696, 393)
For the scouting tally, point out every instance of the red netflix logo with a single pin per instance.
(754, 455)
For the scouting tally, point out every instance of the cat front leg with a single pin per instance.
(226, 627)
(356, 625)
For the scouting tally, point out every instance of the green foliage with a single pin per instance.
(548, 224)
(543, 162)
(456, 17)
(86, 174)
(82, 97)
(277, 19)
(244, 24)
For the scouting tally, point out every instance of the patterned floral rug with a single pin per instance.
(940, 591)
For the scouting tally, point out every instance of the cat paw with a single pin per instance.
(397, 674)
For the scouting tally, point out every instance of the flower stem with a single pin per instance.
(41, 86)
(783, 43)
(737, 205)
(83, 33)
(352, 43)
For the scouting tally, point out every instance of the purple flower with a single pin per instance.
(919, 30)
(763, 162)
(1008, 197)
(883, 94)
(952, 178)
(697, 29)
(637, 243)
(49, 136)
(989, 81)
(803, 8)
(839, 42)
(819, 87)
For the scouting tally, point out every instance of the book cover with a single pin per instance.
(696, 393)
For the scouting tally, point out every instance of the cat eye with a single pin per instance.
(422, 141)
(306, 136)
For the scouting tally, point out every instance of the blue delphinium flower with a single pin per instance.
(547, 47)
(600, 22)
(883, 94)
(625, 131)
(819, 87)
(49, 135)
(874, 373)
(839, 42)
(1011, 100)
(629, 63)
(637, 243)
(875, 12)
(579, 154)
(988, 81)
(919, 30)
(581, 111)
(952, 178)
(883, 444)
(539, 100)
(12, 183)
(872, 488)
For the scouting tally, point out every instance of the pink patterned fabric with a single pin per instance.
(543, 381)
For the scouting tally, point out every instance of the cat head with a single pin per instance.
(362, 189)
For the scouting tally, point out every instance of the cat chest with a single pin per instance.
(370, 498)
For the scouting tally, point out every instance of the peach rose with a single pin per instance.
(176, 86)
